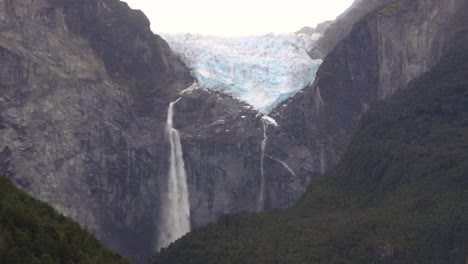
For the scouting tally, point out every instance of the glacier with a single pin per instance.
(262, 71)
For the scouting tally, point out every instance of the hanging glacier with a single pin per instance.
(262, 71)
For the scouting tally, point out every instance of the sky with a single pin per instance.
(237, 17)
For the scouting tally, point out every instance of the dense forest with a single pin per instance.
(32, 232)
(399, 195)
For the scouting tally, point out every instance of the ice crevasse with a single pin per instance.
(261, 71)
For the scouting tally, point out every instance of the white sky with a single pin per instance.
(237, 17)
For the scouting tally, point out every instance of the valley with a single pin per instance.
(344, 143)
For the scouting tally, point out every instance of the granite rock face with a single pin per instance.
(82, 113)
(85, 86)
(336, 31)
(222, 141)
(383, 53)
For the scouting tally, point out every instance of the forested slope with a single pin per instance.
(399, 195)
(31, 232)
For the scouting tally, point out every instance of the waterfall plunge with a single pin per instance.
(266, 120)
(261, 198)
(175, 209)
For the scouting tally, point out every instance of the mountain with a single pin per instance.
(339, 29)
(84, 106)
(307, 31)
(85, 90)
(319, 29)
(384, 51)
(397, 196)
(85, 87)
(32, 232)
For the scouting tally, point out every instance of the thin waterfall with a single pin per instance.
(285, 165)
(261, 198)
(175, 208)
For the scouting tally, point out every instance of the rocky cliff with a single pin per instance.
(336, 31)
(85, 87)
(383, 53)
(84, 92)
(397, 196)
(222, 140)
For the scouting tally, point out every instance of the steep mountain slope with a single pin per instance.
(383, 53)
(339, 29)
(84, 92)
(85, 88)
(398, 195)
(223, 141)
(32, 232)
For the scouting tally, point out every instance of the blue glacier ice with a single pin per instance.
(262, 71)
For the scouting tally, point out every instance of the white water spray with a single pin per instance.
(175, 209)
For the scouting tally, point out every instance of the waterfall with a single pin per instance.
(266, 120)
(261, 198)
(284, 164)
(175, 209)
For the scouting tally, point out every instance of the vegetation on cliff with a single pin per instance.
(32, 232)
(399, 195)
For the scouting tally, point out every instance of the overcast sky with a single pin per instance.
(237, 17)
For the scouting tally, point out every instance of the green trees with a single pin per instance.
(31, 232)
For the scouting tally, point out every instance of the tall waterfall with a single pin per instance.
(266, 120)
(261, 198)
(175, 209)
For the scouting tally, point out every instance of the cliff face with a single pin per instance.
(85, 88)
(222, 141)
(339, 29)
(383, 53)
(397, 196)
(84, 91)
(124, 42)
